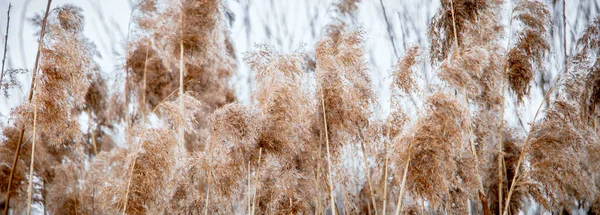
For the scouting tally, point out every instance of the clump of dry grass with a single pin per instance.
(404, 74)
(526, 56)
(65, 194)
(437, 149)
(158, 65)
(283, 97)
(589, 59)
(557, 144)
(8, 147)
(235, 132)
(67, 59)
(346, 86)
(348, 7)
(151, 167)
(453, 16)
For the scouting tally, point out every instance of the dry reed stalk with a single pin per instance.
(501, 127)
(30, 186)
(402, 185)
(181, 132)
(209, 178)
(5, 45)
(256, 182)
(500, 147)
(318, 197)
(331, 196)
(248, 191)
(131, 173)
(144, 81)
(319, 156)
(31, 91)
(368, 172)
(454, 24)
(387, 158)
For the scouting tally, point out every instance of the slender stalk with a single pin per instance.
(318, 199)
(399, 205)
(209, 180)
(181, 67)
(30, 187)
(368, 171)
(454, 23)
(126, 104)
(144, 81)
(256, 182)
(31, 90)
(387, 157)
(320, 155)
(248, 191)
(93, 195)
(333, 208)
(501, 128)
(129, 179)
(5, 45)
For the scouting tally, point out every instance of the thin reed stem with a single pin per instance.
(256, 181)
(501, 128)
(333, 208)
(399, 205)
(368, 172)
(209, 179)
(5, 45)
(501, 148)
(129, 179)
(31, 90)
(249, 191)
(454, 23)
(144, 81)
(181, 132)
(386, 150)
(30, 186)
(318, 197)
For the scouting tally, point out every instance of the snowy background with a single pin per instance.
(288, 25)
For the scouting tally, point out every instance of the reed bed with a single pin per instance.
(190, 148)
